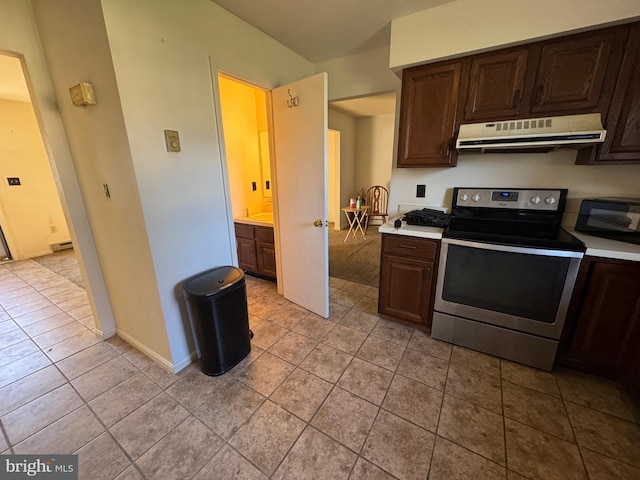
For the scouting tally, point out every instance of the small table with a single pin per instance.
(355, 221)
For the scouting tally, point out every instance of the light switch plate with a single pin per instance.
(172, 140)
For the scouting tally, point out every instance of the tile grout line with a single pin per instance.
(83, 400)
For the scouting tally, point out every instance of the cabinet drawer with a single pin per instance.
(264, 234)
(410, 246)
(244, 231)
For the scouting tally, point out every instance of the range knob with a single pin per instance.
(550, 200)
(536, 200)
(476, 198)
(464, 197)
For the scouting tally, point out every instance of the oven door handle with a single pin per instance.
(513, 249)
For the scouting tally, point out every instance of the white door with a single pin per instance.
(300, 147)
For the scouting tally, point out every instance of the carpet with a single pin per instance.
(63, 263)
(355, 261)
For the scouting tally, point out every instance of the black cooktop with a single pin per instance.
(518, 233)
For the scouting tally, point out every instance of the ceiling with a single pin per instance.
(320, 31)
(367, 106)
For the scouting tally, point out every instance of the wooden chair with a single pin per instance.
(377, 198)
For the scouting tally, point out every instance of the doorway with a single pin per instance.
(246, 139)
(32, 220)
(296, 119)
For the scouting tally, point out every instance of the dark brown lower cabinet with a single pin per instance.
(256, 249)
(602, 335)
(407, 279)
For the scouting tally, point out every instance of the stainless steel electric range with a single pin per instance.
(507, 270)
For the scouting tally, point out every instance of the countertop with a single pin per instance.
(411, 230)
(603, 247)
(596, 246)
(253, 221)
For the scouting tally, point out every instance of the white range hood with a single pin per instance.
(531, 134)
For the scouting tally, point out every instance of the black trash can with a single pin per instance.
(217, 306)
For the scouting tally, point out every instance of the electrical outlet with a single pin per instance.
(13, 180)
(421, 191)
(254, 186)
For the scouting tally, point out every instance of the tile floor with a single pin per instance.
(353, 397)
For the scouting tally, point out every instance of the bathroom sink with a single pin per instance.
(263, 217)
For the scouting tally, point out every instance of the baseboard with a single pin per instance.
(106, 334)
(33, 255)
(164, 363)
(185, 362)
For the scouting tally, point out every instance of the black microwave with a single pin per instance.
(615, 218)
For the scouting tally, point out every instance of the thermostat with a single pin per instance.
(172, 140)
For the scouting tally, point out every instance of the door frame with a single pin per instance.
(57, 149)
(215, 72)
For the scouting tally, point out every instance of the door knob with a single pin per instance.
(317, 223)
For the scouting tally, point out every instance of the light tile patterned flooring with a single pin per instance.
(354, 397)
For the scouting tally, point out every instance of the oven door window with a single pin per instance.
(527, 286)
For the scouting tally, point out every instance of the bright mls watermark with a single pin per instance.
(47, 467)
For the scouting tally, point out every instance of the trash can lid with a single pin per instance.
(212, 281)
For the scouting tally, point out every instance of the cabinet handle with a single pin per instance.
(410, 247)
(445, 151)
(516, 98)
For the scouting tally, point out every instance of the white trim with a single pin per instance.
(104, 335)
(164, 363)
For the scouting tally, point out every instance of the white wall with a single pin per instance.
(345, 124)
(544, 170)
(159, 54)
(374, 151)
(75, 43)
(471, 26)
(166, 82)
(19, 37)
(32, 209)
(359, 74)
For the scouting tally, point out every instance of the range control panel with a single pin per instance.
(542, 199)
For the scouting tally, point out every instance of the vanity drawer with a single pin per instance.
(410, 246)
(244, 231)
(264, 234)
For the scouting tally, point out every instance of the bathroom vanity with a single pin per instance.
(256, 249)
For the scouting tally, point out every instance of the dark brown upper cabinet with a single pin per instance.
(576, 75)
(622, 143)
(496, 86)
(428, 115)
(591, 72)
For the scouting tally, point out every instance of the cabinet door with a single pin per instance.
(572, 73)
(405, 288)
(496, 84)
(622, 144)
(609, 311)
(631, 364)
(266, 256)
(428, 116)
(247, 254)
